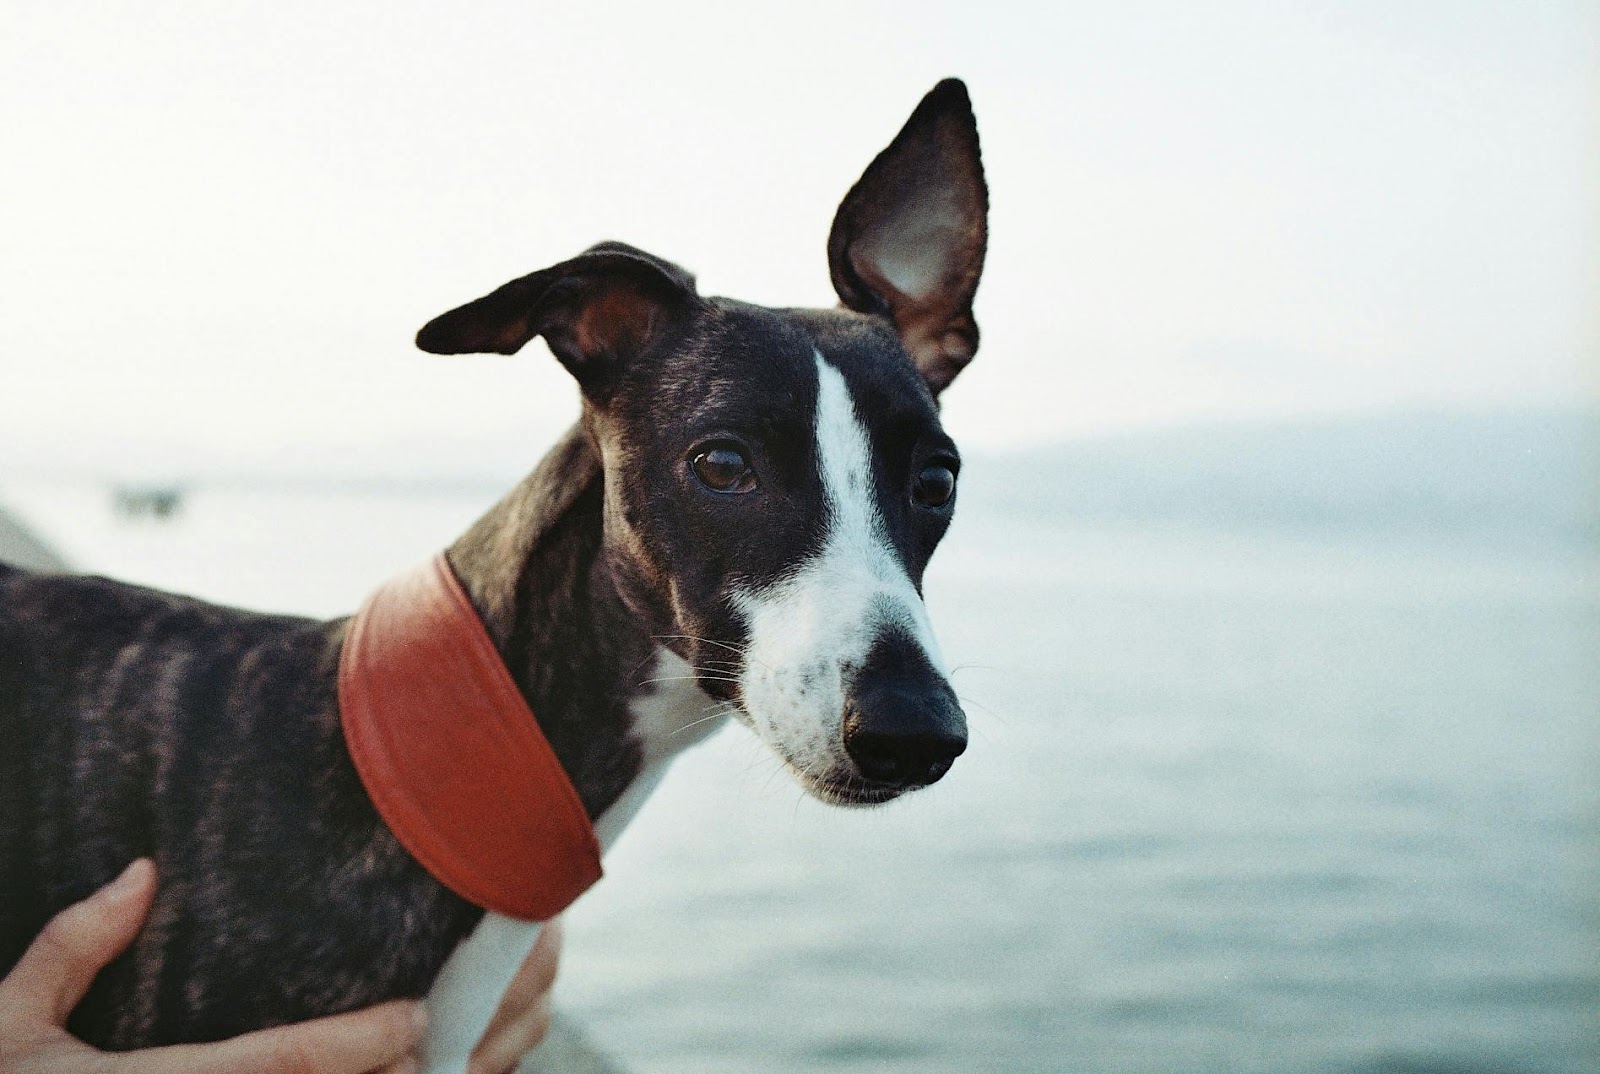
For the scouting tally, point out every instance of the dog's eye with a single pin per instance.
(724, 468)
(934, 485)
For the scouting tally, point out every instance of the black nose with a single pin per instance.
(901, 751)
(902, 724)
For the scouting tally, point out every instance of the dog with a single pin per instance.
(736, 527)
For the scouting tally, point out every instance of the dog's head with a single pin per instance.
(776, 479)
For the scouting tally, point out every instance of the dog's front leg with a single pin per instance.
(468, 990)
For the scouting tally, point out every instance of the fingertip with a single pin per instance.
(404, 1020)
(418, 1017)
(407, 1021)
(138, 876)
(122, 904)
(56, 970)
(372, 1040)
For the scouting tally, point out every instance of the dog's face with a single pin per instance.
(776, 480)
(779, 483)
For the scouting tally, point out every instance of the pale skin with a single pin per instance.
(54, 973)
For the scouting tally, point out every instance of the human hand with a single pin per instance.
(54, 973)
(523, 1017)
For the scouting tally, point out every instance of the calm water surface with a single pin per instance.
(1234, 802)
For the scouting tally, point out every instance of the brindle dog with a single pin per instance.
(749, 501)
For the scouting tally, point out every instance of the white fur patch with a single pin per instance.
(810, 629)
(673, 714)
(468, 990)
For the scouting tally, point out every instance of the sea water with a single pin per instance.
(1234, 801)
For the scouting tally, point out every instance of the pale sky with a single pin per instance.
(225, 221)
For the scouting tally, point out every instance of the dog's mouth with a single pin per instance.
(837, 785)
(827, 764)
(844, 790)
(832, 779)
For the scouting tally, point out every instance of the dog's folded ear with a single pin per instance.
(909, 239)
(600, 308)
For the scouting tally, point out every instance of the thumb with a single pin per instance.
(53, 974)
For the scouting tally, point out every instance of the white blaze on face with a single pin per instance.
(808, 632)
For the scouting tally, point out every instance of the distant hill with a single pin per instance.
(1510, 476)
(1531, 476)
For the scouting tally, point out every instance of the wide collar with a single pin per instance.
(451, 755)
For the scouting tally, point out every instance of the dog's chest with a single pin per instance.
(669, 714)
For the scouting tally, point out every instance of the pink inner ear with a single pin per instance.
(918, 257)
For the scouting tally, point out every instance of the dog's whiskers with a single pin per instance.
(742, 650)
(981, 707)
(974, 702)
(688, 678)
(724, 711)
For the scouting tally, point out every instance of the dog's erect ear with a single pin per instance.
(908, 240)
(598, 309)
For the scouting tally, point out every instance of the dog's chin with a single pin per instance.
(845, 789)
(839, 785)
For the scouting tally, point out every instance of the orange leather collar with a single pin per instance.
(451, 754)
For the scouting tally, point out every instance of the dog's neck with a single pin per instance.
(586, 662)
